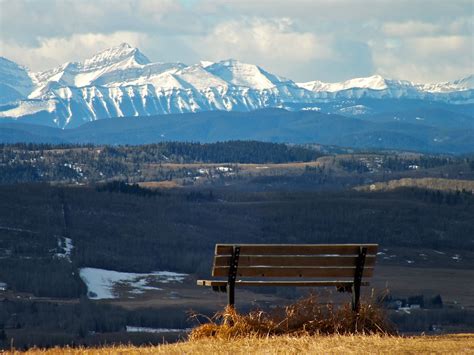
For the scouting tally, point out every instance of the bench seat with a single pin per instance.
(220, 283)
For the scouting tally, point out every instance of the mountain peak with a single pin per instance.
(374, 82)
(109, 56)
(205, 63)
(243, 74)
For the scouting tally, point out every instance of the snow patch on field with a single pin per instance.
(104, 284)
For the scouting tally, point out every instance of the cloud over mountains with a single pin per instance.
(327, 40)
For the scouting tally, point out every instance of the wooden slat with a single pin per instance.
(292, 271)
(211, 283)
(296, 249)
(287, 260)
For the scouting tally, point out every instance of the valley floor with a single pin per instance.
(446, 344)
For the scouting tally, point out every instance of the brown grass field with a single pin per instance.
(430, 183)
(334, 344)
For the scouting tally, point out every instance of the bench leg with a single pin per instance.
(234, 263)
(231, 294)
(356, 297)
(358, 279)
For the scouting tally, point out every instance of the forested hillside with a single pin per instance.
(132, 231)
(192, 163)
(88, 163)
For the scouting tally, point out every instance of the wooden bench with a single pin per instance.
(344, 266)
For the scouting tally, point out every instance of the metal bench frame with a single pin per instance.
(352, 262)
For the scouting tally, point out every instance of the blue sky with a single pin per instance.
(329, 40)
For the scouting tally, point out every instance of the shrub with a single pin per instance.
(305, 317)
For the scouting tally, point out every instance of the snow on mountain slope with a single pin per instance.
(377, 82)
(466, 83)
(124, 53)
(80, 105)
(113, 65)
(122, 81)
(28, 107)
(463, 84)
(147, 74)
(15, 83)
(247, 75)
(200, 78)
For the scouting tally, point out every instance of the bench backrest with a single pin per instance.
(294, 260)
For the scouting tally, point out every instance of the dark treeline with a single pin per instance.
(354, 165)
(43, 277)
(425, 162)
(239, 152)
(123, 187)
(219, 152)
(393, 162)
(31, 323)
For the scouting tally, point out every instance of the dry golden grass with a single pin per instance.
(305, 317)
(331, 344)
(159, 184)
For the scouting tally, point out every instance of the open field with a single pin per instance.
(454, 285)
(430, 183)
(452, 344)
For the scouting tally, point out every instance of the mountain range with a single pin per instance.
(122, 82)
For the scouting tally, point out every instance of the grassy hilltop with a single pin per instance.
(336, 344)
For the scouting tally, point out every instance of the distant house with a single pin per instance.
(413, 302)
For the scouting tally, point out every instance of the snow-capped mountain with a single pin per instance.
(376, 86)
(118, 66)
(122, 81)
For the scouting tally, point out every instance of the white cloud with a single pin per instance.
(338, 12)
(410, 28)
(272, 43)
(426, 58)
(460, 26)
(300, 39)
(27, 21)
(440, 46)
